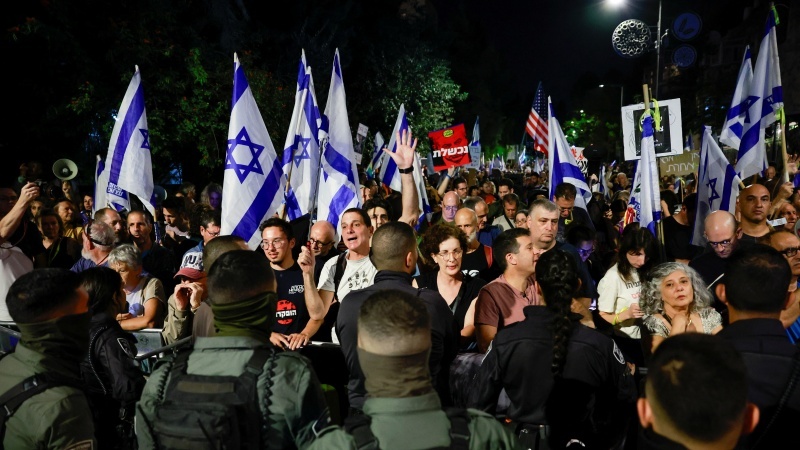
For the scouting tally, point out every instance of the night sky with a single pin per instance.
(555, 42)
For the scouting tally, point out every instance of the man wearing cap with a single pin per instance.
(189, 294)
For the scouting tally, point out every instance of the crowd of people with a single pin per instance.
(508, 319)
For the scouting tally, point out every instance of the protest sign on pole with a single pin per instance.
(449, 147)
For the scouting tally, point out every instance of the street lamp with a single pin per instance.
(621, 92)
(659, 38)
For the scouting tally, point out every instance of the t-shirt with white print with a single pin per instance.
(358, 274)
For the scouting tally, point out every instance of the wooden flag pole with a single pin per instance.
(783, 150)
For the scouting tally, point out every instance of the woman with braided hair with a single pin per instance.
(565, 381)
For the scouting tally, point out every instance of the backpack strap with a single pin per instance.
(488, 252)
(359, 427)
(21, 392)
(459, 428)
(341, 264)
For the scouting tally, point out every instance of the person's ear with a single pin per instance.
(751, 417)
(291, 243)
(410, 259)
(645, 413)
(720, 291)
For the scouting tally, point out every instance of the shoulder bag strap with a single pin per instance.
(459, 428)
(359, 428)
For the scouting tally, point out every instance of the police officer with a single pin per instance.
(50, 308)
(403, 410)
(241, 288)
(565, 380)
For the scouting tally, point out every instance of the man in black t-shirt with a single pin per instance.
(294, 322)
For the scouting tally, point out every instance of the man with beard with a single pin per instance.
(478, 261)
(486, 233)
(98, 241)
(156, 260)
(754, 202)
(111, 217)
(788, 245)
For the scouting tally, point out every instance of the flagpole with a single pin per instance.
(313, 204)
(783, 150)
(659, 224)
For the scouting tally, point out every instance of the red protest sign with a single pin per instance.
(449, 147)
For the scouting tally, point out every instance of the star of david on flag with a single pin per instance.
(254, 150)
(252, 181)
(718, 185)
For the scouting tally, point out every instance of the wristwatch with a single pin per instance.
(406, 170)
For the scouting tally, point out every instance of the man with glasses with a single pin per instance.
(208, 228)
(323, 245)
(722, 234)
(565, 194)
(297, 315)
(788, 244)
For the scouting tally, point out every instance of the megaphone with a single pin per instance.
(64, 169)
(160, 193)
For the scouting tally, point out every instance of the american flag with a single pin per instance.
(536, 126)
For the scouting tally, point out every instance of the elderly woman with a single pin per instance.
(675, 300)
(62, 252)
(145, 294)
(446, 245)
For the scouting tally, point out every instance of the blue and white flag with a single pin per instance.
(562, 165)
(377, 156)
(338, 188)
(252, 181)
(601, 185)
(422, 194)
(644, 205)
(717, 185)
(128, 163)
(389, 174)
(765, 98)
(117, 198)
(301, 150)
(474, 147)
(734, 121)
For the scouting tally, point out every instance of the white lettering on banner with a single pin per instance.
(450, 151)
(113, 189)
(283, 314)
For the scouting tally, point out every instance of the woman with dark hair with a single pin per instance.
(618, 301)
(61, 251)
(446, 245)
(556, 371)
(113, 379)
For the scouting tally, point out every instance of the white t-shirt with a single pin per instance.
(358, 274)
(143, 292)
(617, 294)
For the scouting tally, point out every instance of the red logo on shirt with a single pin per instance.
(286, 312)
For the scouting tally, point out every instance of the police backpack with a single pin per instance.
(358, 426)
(200, 412)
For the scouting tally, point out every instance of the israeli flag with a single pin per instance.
(601, 185)
(765, 98)
(717, 186)
(644, 205)
(562, 164)
(130, 170)
(117, 199)
(422, 194)
(338, 189)
(301, 150)
(732, 129)
(377, 156)
(389, 174)
(252, 181)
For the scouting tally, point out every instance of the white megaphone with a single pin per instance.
(65, 169)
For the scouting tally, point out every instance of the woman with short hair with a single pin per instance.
(145, 294)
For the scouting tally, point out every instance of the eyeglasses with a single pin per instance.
(311, 241)
(211, 233)
(722, 244)
(586, 251)
(455, 253)
(277, 244)
(789, 252)
(451, 208)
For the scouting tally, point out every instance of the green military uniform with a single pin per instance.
(296, 402)
(57, 418)
(417, 423)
